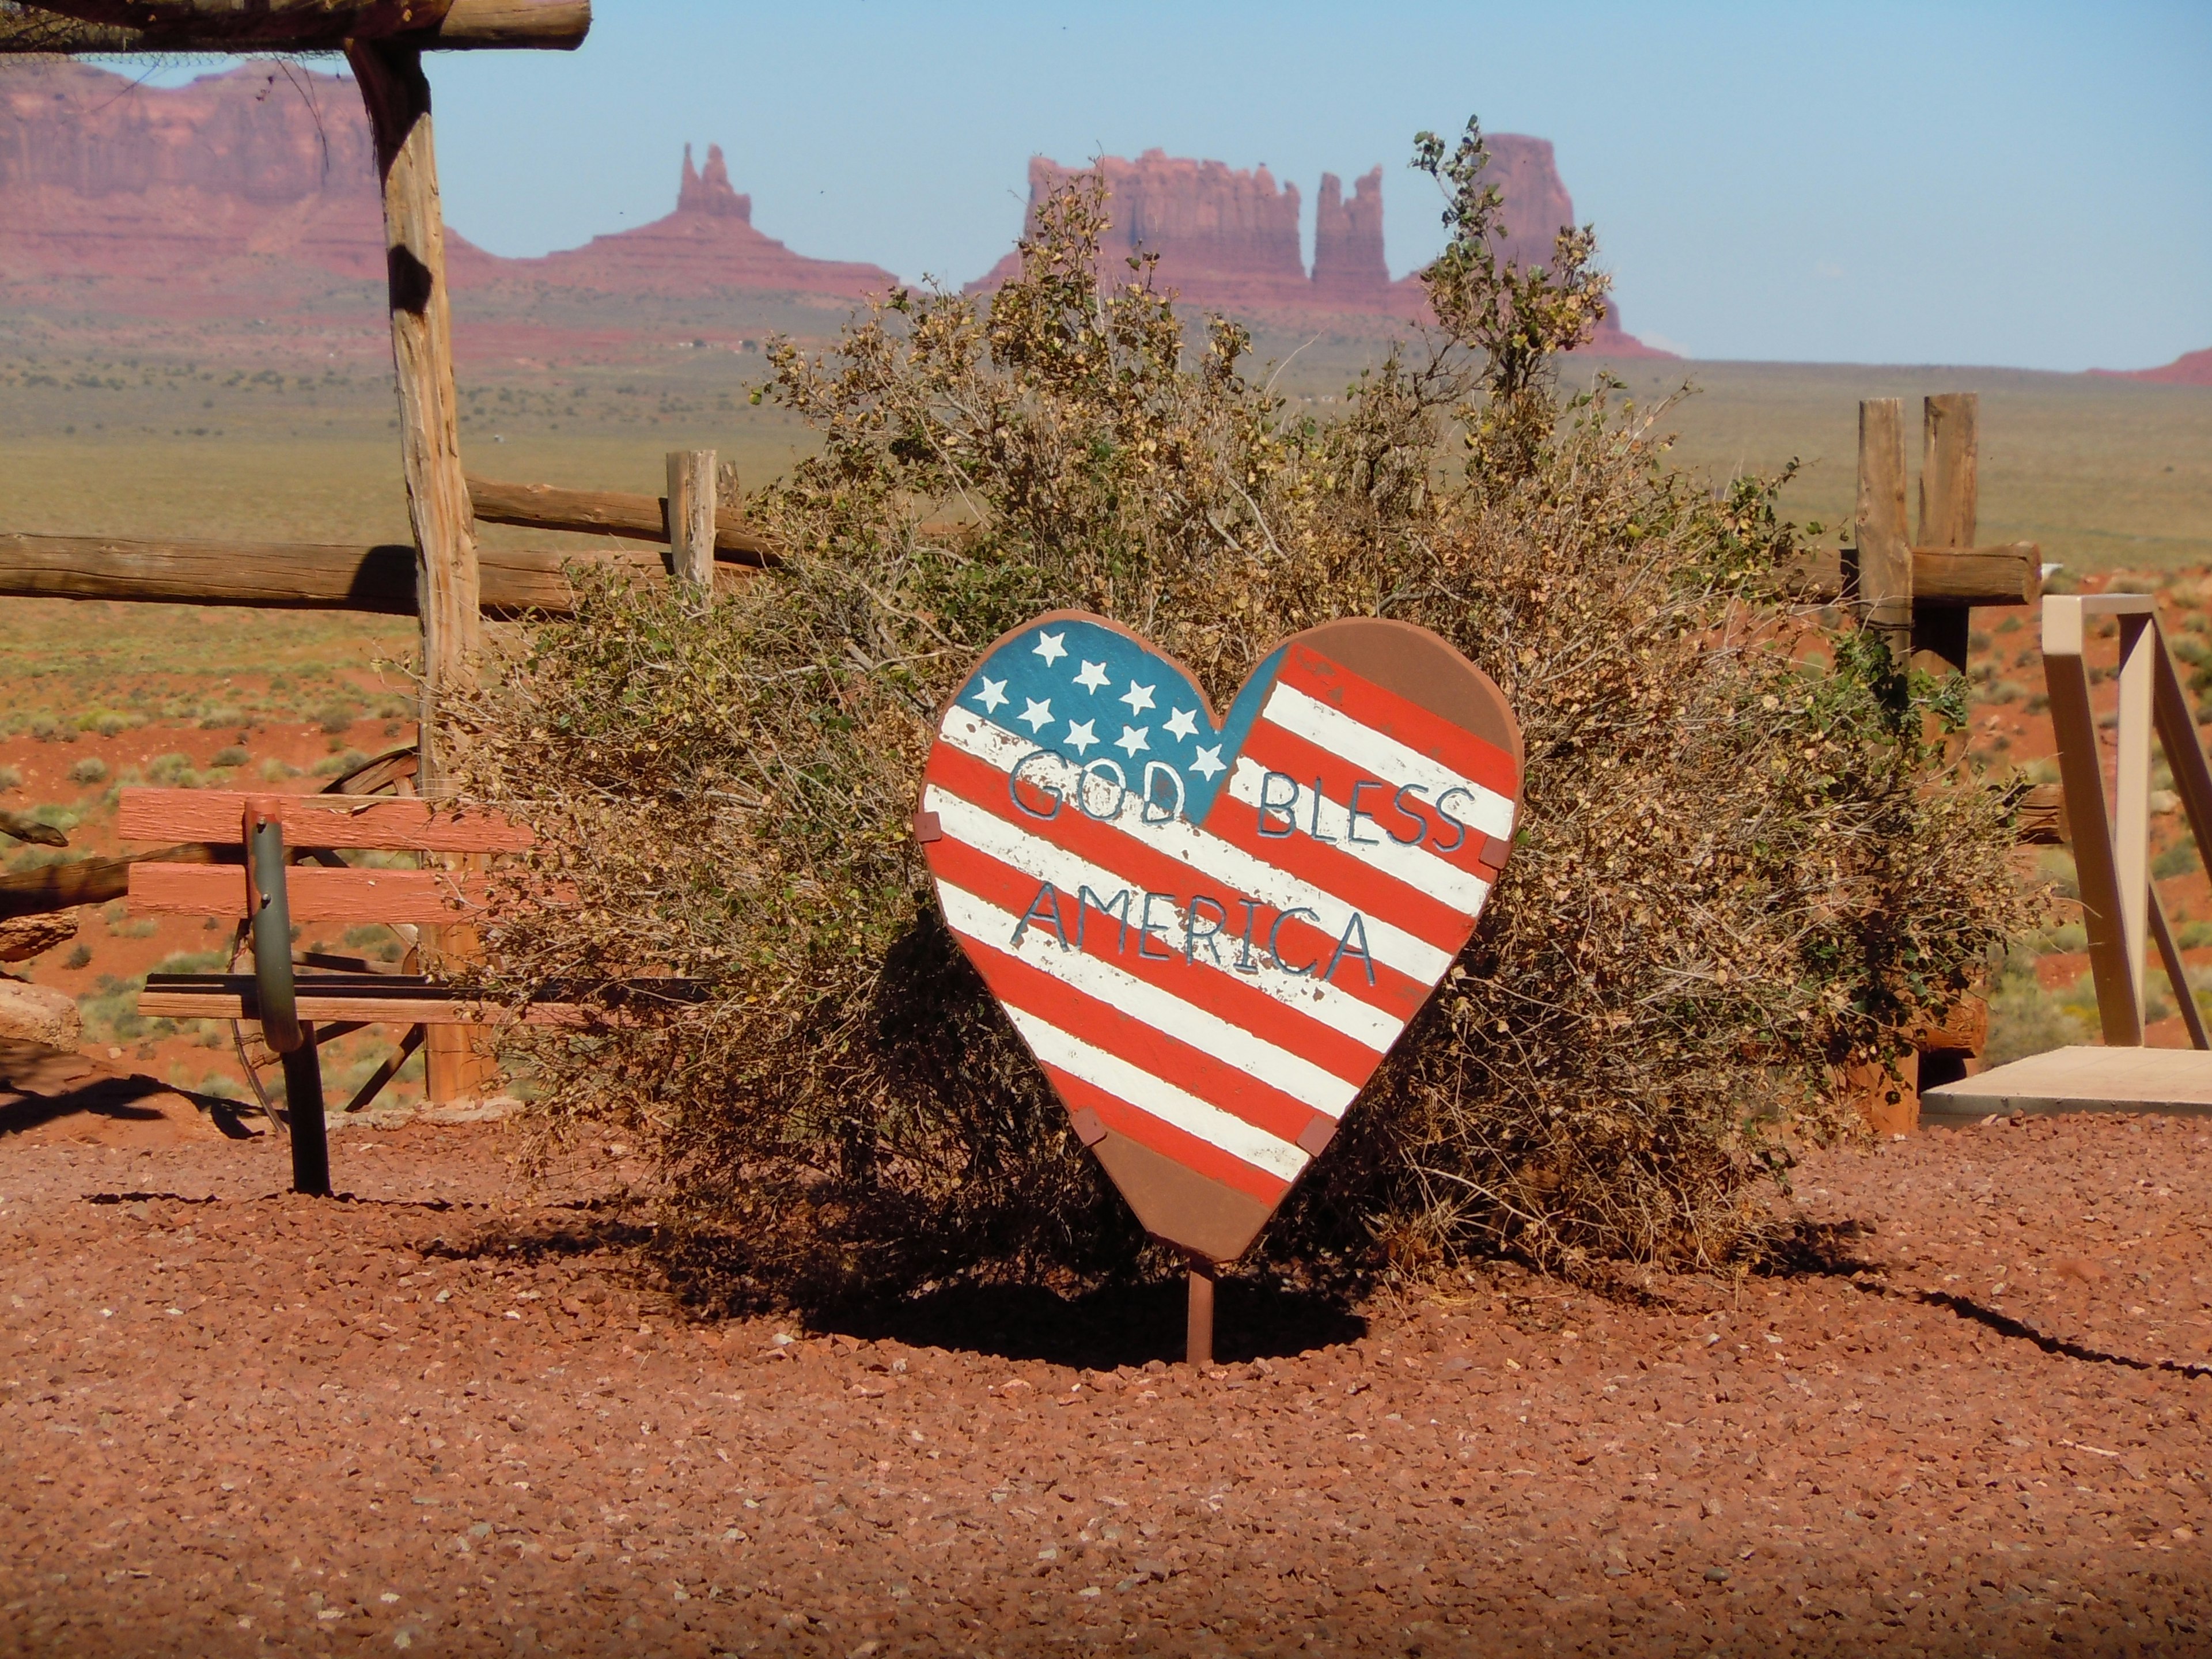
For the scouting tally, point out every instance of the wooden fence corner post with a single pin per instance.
(693, 496)
(397, 94)
(1884, 543)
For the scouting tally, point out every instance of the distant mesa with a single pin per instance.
(1228, 239)
(2190, 368)
(260, 183)
(706, 246)
(257, 187)
(223, 179)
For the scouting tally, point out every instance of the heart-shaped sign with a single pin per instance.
(1210, 932)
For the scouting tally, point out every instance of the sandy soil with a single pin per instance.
(453, 1414)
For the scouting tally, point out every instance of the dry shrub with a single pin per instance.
(1742, 861)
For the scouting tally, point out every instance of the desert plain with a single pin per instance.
(468, 1408)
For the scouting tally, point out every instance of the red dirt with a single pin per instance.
(451, 1415)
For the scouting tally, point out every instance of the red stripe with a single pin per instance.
(1280, 751)
(1021, 985)
(1199, 1157)
(1219, 993)
(983, 786)
(1420, 729)
(1377, 897)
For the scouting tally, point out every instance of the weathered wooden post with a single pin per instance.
(1885, 573)
(398, 95)
(1949, 456)
(1885, 592)
(692, 502)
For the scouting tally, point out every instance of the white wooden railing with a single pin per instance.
(2120, 909)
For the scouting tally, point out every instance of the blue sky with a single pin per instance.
(2024, 185)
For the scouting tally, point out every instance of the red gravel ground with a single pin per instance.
(450, 1415)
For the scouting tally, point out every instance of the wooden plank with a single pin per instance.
(318, 1006)
(2006, 574)
(2082, 774)
(691, 527)
(1885, 561)
(607, 513)
(94, 881)
(2185, 750)
(427, 898)
(2139, 644)
(2177, 975)
(2041, 820)
(2177, 1081)
(382, 822)
(1949, 452)
(203, 25)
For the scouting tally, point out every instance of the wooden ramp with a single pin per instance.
(2176, 1081)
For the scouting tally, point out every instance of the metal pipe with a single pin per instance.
(276, 1000)
(1198, 1341)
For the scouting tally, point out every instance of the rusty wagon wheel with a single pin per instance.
(392, 773)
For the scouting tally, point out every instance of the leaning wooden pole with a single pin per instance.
(398, 95)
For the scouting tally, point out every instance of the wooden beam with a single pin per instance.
(380, 823)
(1954, 580)
(607, 513)
(1885, 563)
(2040, 820)
(429, 898)
(2080, 766)
(2010, 573)
(691, 526)
(1950, 447)
(232, 998)
(197, 26)
(280, 575)
(94, 881)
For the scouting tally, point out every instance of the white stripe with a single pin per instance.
(1158, 1099)
(1384, 756)
(993, 837)
(1193, 847)
(1417, 868)
(1147, 1003)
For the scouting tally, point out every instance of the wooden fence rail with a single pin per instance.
(608, 513)
(283, 576)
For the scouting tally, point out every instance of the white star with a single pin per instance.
(1183, 722)
(1136, 697)
(1081, 734)
(1208, 763)
(992, 694)
(1038, 714)
(1050, 647)
(1133, 738)
(1092, 676)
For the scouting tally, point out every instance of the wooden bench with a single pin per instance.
(268, 893)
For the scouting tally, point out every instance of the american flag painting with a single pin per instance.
(1210, 932)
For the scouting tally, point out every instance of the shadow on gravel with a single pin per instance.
(1104, 1329)
(2005, 1325)
(1819, 1248)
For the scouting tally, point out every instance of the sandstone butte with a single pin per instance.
(2190, 368)
(1228, 239)
(253, 184)
(256, 186)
